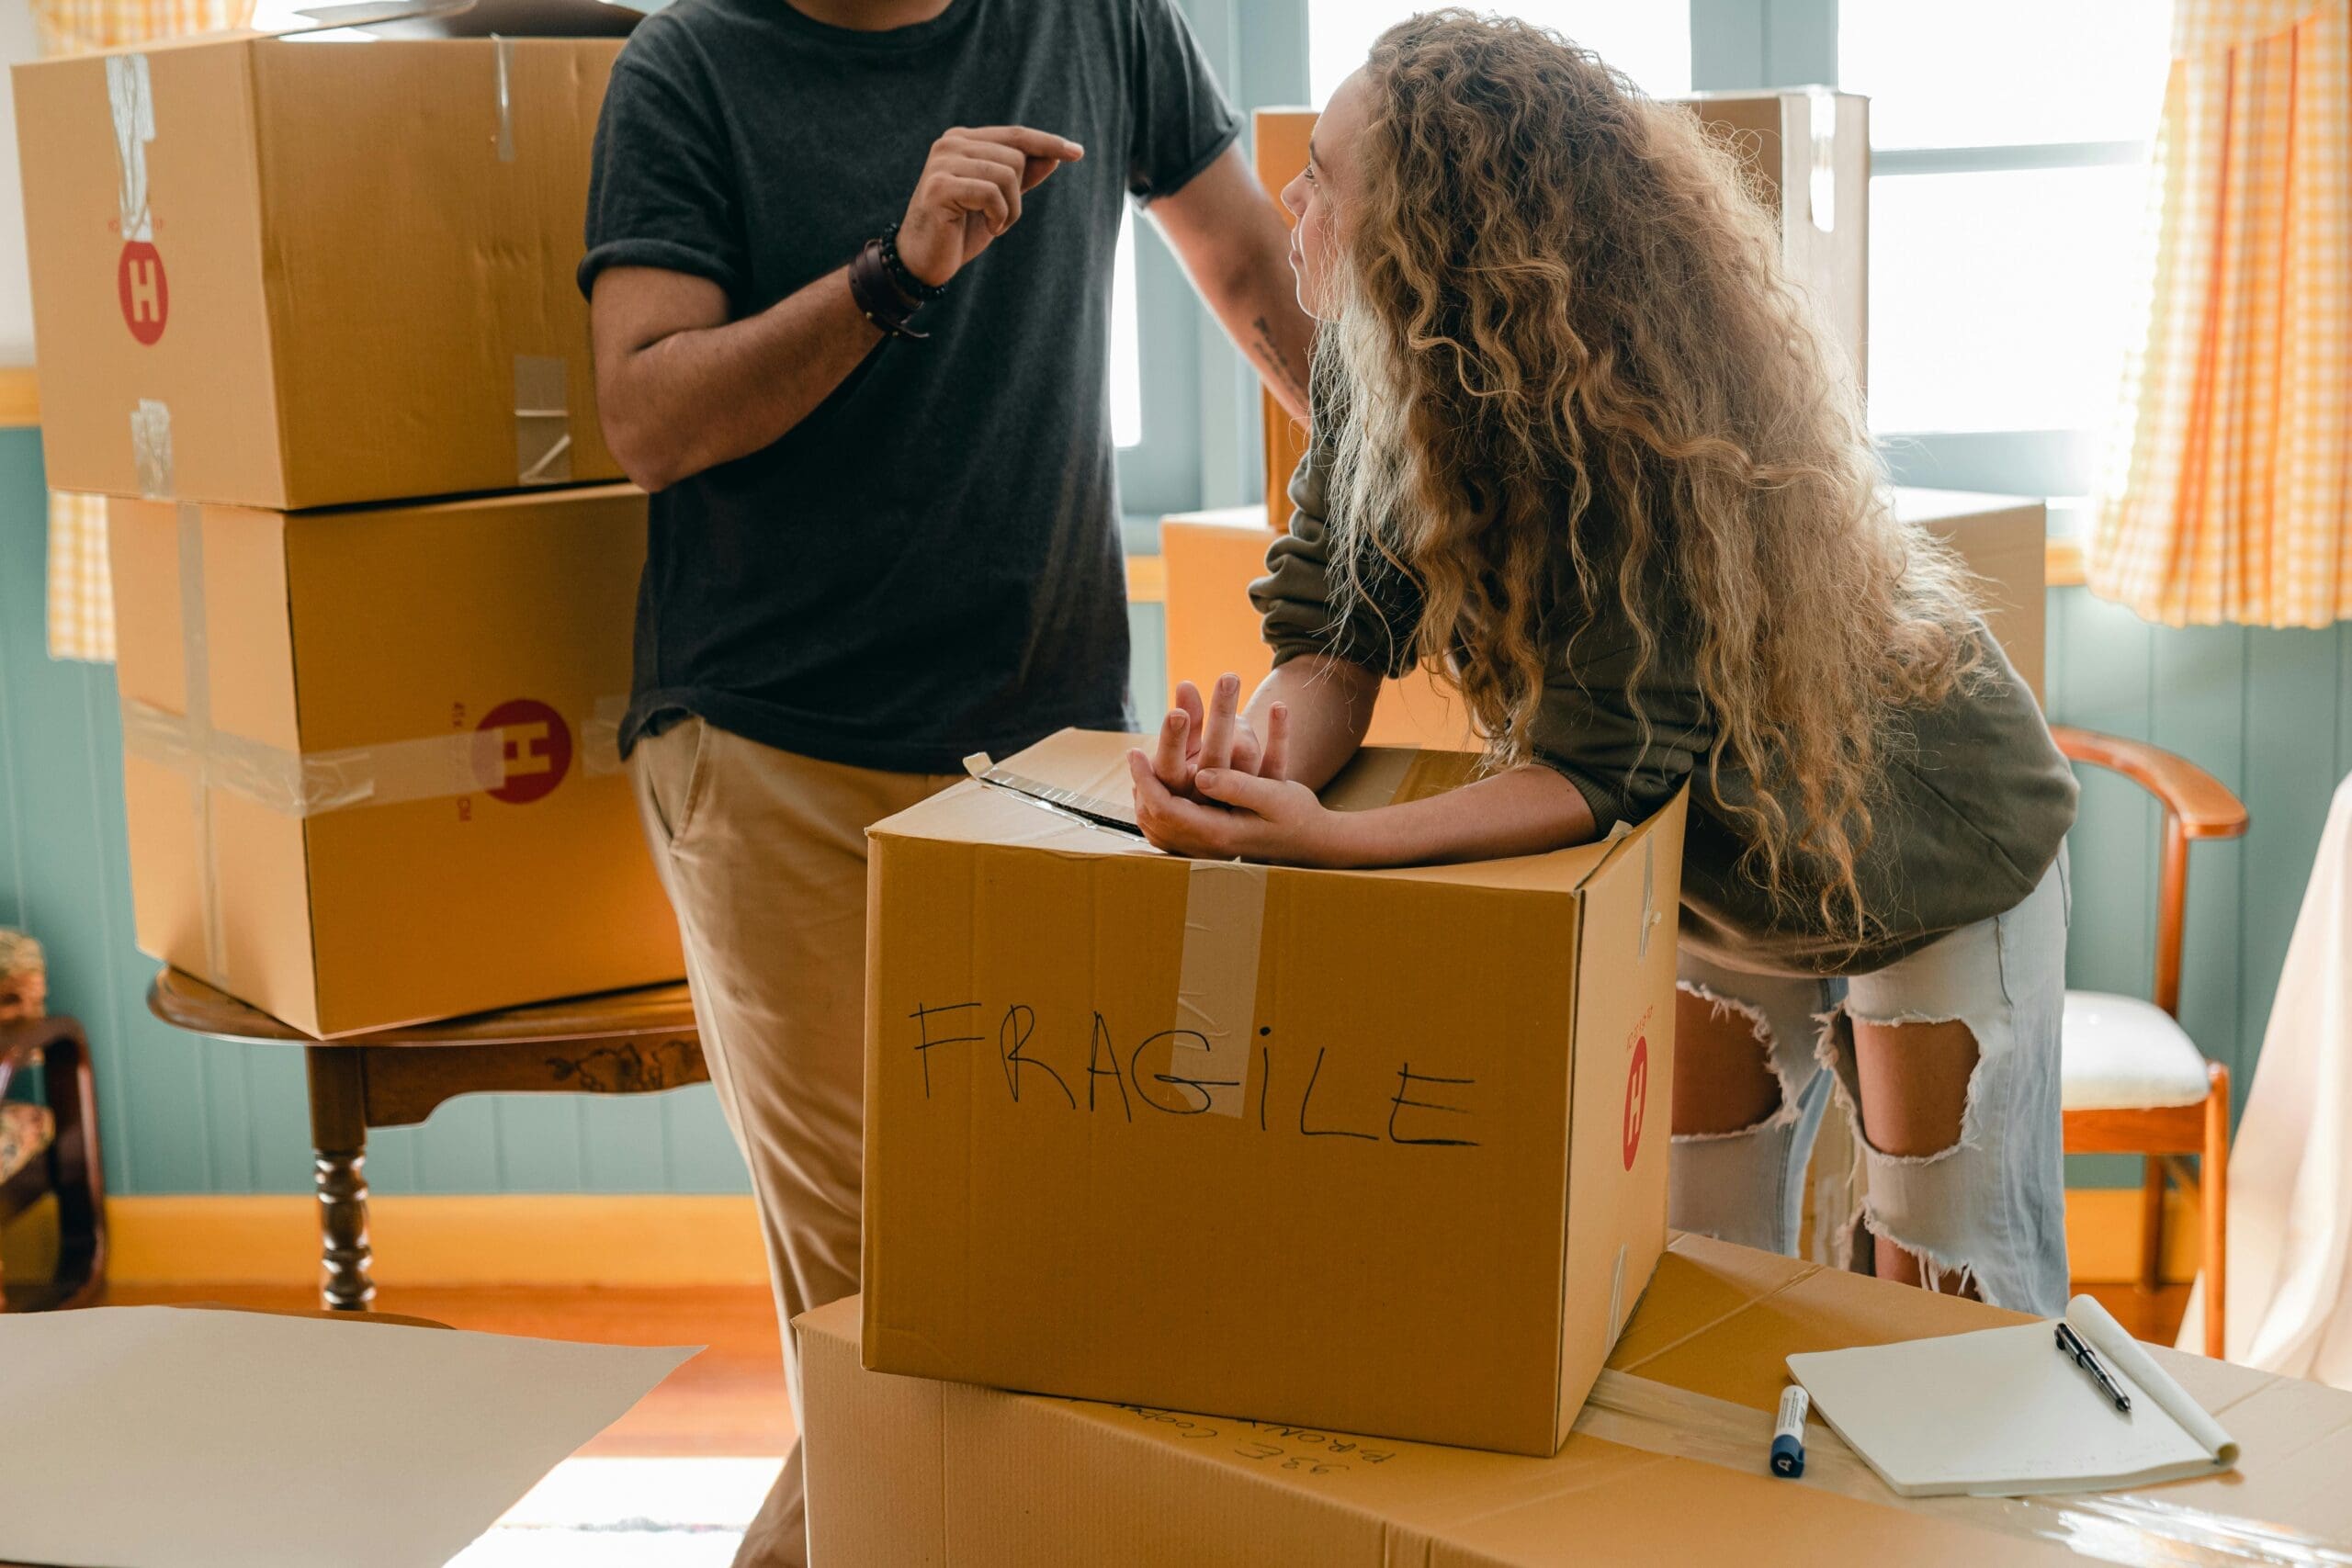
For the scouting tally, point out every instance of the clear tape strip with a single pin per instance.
(542, 419)
(502, 50)
(1217, 977)
(151, 449)
(131, 103)
(311, 783)
(2140, 1530)
(600, 738)
(196, 663)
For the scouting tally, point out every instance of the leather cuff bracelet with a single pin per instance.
(877, 294)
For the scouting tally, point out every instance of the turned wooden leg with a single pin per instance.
(339, 1137)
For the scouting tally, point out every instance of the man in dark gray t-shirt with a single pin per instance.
(873, 552)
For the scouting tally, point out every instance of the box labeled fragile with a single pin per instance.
(1384, 1151)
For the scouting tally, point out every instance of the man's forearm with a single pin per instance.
(1258, 303)
(707, 395)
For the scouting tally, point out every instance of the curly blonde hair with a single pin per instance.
(1565, 363)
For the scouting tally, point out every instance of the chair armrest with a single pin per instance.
(2203, 803)
(25, 1039)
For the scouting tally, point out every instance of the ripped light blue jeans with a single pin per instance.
(1992, 1207)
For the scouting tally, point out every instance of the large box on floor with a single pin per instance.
(286, 273)
(1378, 1150)
(1211, 558)
(1666, 1464)
(369, 757)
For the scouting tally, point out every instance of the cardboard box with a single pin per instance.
(1383, 1150)
(1212, 556)
(404, 724)
(1668, 1465)
(2005, 540)
(287, 273)
(1809, 149)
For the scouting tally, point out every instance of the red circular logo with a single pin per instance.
(537, 749)
(138, 283)
(1637, 1096)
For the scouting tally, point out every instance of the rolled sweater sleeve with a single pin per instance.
(1587, 732)
(1300, 598)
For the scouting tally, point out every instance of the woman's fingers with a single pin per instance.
(1172, 822)
(1242, 791)
(1216, 738)
(1171, 761)
(1274, 761)
(1188, 700)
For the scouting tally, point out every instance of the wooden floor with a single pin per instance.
(730, 1399)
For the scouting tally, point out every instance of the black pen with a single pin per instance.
(2073, 1344)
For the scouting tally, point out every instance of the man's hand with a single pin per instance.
(970, 192)
(1191, 740)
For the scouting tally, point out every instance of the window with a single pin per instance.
(1127, 358)
(1647, 39)
(2009, 150)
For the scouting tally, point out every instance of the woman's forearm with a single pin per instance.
(1524, 811)
(1329, 704)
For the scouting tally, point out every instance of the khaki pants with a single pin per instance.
(764, 855)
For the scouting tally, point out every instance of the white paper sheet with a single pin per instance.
(166, 1438)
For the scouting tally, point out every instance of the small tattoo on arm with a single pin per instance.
(1271, 358)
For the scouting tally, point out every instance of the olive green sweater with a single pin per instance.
(1976, 802)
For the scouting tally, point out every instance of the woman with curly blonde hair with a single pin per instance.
(1583, 451)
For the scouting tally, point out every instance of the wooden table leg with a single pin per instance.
(339, 1137)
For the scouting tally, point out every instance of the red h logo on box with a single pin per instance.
(140, 284)
(538, 746)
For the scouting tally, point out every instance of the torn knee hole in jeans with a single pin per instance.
(1941, 1272)
(1761, 1029)
(1835, 1051)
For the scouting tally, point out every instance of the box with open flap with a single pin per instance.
(1378, 1150)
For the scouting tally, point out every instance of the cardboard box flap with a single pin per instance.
(1093, 765)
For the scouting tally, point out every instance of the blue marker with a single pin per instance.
(1788, 1437)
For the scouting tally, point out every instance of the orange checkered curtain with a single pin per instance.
(2229, 495)
(81, 598)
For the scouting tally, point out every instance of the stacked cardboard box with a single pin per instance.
(1384, 1151)
(368, 750)
(1666, 1464)
(1237, 1214)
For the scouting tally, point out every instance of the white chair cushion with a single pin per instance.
(2123, 1054)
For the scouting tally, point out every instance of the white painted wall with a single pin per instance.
(16, 292)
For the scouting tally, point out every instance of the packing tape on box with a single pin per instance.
(310, 783)
(313, 784)
(542, 419)
(1216, 983)
(1821, 183)
(2140, 1529)
(502, 51)
(131, 102)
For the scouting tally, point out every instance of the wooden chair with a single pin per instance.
(51, 1149)
(2134, 1082)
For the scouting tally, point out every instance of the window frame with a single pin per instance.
(1200, 441)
